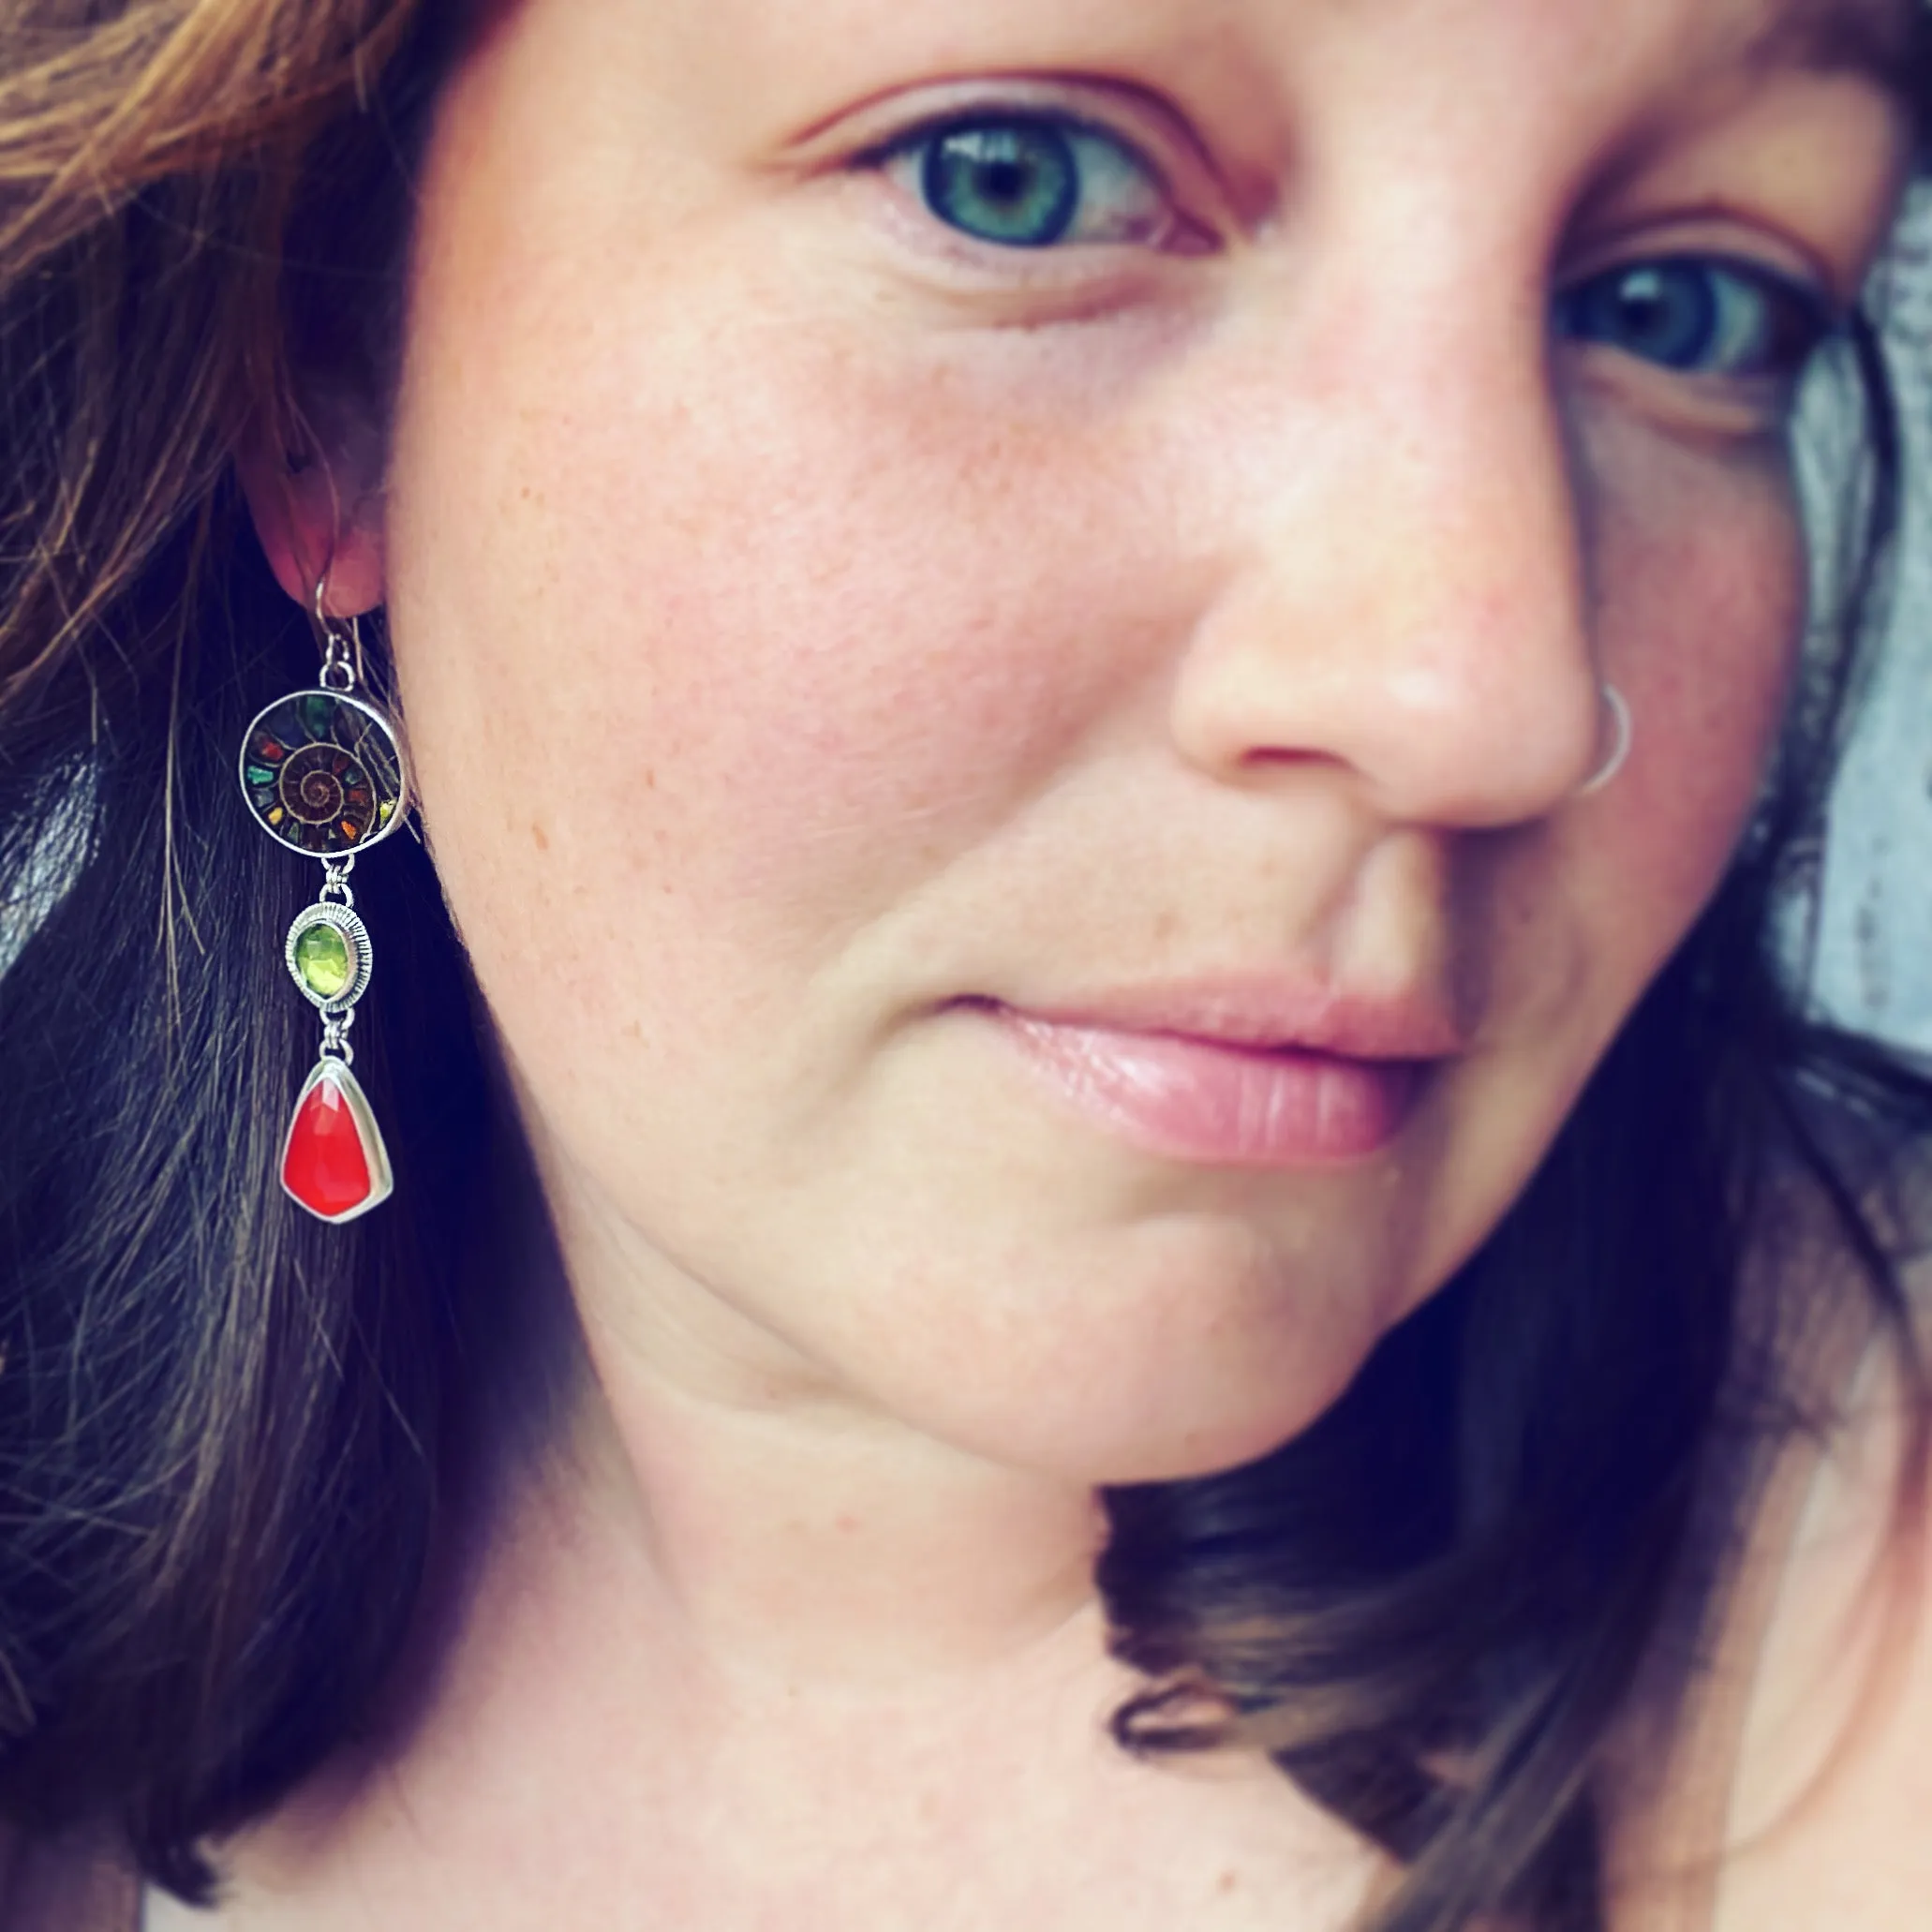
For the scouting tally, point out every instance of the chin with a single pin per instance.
(1105, 1451)
(1188, 1382)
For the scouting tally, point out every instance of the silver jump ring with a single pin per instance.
(337, 1021)
(1621, 731)
(342, 656)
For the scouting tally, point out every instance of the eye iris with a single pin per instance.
(1014, 183)
(1664, 314)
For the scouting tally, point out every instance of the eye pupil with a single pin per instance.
(1668, 315)
(1003, 182)
(1012, 181)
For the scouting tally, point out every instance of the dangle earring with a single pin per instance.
(324, 774)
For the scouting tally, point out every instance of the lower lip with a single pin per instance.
(1207, 1102)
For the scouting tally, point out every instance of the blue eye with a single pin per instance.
(1697, 316)
(1032, 181)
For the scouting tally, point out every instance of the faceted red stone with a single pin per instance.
(325, 1165)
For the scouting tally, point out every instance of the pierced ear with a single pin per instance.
(318, 513)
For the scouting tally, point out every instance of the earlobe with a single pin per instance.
(318, 520)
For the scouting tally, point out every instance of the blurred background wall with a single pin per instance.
(1873, 963)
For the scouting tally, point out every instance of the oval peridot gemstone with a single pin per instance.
(325, 959)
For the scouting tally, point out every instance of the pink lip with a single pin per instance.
(1237, 1074)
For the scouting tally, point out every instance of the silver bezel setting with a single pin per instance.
(378, 717)
(381, 1181)
(324, 912)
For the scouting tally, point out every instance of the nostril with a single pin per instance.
(1283, 757)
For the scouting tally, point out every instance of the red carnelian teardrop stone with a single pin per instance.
(325, 1165)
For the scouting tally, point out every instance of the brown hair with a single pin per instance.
(228, 1439)
(214, 1433)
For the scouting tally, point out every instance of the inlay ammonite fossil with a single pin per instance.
(323, 773)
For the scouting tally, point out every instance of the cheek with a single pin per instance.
(1698, 610)
(732, 652)
(1701, 616)
(1695, 622)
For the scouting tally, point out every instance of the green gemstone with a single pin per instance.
(325, 959)
(261, 775)
(317, 710)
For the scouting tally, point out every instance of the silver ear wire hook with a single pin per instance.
(343, 669)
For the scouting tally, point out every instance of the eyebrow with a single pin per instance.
(1885, 42)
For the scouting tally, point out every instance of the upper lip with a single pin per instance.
(1266, 1011)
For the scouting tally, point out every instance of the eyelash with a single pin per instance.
(1051, 180)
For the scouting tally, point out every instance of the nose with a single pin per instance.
(1400, 594)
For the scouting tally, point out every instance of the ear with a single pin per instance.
(319, 509)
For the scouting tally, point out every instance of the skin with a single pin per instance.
(807, 620)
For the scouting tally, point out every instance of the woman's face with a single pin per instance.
(1001, 611)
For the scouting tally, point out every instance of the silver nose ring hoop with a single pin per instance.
(1615, 702)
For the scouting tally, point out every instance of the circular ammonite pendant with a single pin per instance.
(322, 772)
